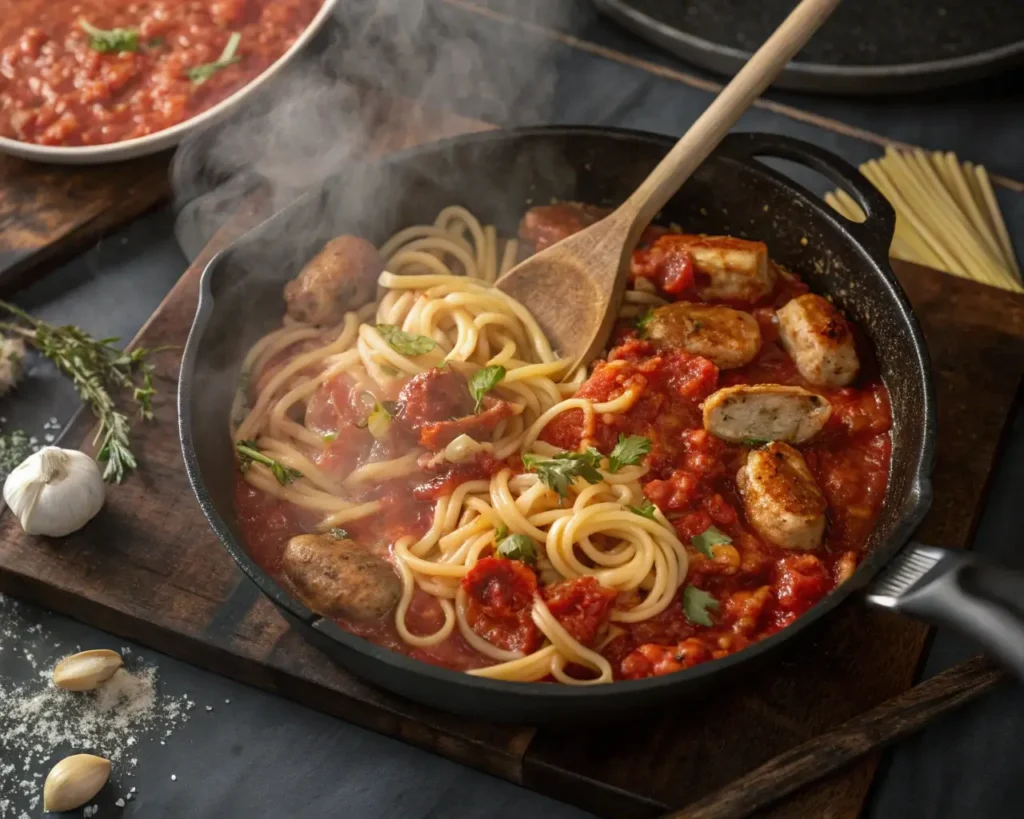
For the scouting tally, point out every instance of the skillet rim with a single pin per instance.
(913, 509)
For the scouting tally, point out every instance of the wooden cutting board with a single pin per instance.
(162, 579)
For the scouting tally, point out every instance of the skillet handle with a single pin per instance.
(957, 589)
(875, 232)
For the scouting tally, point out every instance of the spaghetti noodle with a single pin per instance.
(437, 291)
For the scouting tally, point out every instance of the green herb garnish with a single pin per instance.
(96, 368)
(559, 471)
(645, 509)
(483, 381)
(403, 342)
(643, 320)
(519, 547)
(201, 73)
(500, 533)
(110, 40)
(754, 443)
(249, 452)
(628, 451)
(329, 437)
(338, 533)
(712, 536)
(697, 604)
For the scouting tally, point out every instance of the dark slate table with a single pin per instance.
(256, 755)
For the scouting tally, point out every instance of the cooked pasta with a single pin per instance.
(437, 286)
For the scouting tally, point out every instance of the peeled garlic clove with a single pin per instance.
(86, 670)
(74, 781)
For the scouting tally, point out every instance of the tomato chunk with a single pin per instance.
(581, 605)
(801, 580)
(500, 601)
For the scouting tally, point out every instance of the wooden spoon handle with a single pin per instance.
(712, 126)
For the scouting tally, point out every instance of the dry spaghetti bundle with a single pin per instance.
(947, 216)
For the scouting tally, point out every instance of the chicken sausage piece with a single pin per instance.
(341, 277)
(765, 412)
(819, 340)
(780, 498)
(730, 338)
(338, 578)
(726, 268)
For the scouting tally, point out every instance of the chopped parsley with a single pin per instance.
(115, 40)
(248, 452)
(338, 533)
(712, 536)
(645, 509)
(643, 320)
(559, 471)
(483, 381)
(519, 547)
(697, 604)
(201, 73)
(628, 451)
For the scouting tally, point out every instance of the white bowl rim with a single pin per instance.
(152, 143)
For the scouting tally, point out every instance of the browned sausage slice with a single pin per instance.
(730, 338)
(780, 498)
(765, 412)
(338, 578)
(819, 340)
(340, 278)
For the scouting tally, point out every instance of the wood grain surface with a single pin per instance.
(48, 213)
(148, 568)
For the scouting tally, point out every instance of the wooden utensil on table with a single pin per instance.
(573, 288)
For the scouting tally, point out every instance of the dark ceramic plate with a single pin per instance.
(867, 47)
(498, 176)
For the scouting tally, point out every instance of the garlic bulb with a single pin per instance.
(55, 491)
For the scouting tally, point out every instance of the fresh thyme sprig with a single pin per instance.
(96, 368)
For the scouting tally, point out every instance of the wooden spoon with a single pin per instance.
(574, 288)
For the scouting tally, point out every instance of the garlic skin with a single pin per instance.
(55, 491)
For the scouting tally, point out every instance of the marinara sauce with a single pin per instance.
(750, 588)
(59, 85)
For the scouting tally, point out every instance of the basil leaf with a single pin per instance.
(403, 342)
(712, 536)
(697, 604)
(500, 533)
(628, 451)
(645, 509)
(519, 547)
(485, 380)
(754, 443)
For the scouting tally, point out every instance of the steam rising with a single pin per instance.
(356, 80)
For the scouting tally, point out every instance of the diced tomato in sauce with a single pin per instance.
(500, 601)
(580, 605)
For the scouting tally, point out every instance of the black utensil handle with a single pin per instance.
(876, 231)
(981, 600)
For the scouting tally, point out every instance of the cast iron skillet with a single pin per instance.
(498, 176)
